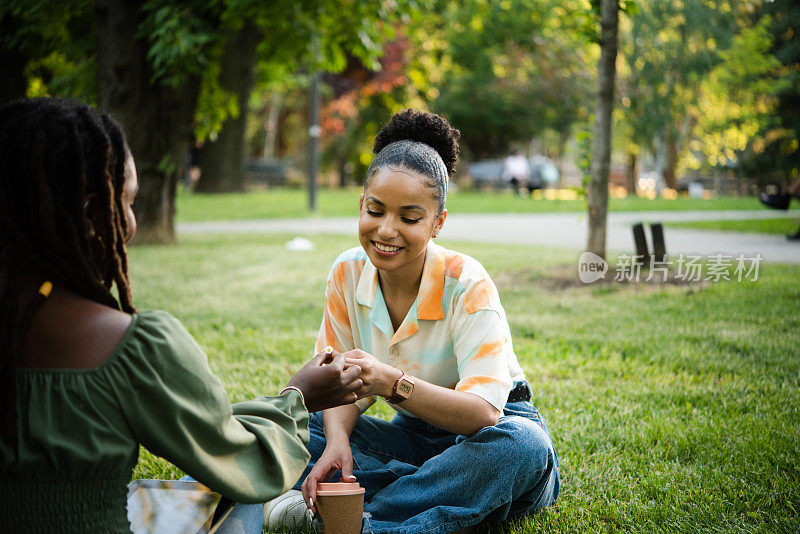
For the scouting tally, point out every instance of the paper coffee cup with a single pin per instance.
(340, 507)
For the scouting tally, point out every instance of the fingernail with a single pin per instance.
(311, 501)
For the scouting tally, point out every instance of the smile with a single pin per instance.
(386, 250)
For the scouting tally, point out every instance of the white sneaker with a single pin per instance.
(288, 510)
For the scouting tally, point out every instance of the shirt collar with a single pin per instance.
(431, 289)
(367, 285)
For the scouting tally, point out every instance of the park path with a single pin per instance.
(557, 230)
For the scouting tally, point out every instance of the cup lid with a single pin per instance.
(339, 488)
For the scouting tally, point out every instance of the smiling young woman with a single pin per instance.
(427, 329)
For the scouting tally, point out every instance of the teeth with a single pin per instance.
(385, 248)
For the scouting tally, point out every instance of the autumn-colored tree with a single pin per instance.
(361, 99)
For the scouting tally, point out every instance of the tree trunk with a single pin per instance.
(12, 63)
(156, 118)
(275, 106)
(223, 159)
(671, 162)
(630, 174)
(342, 167)
(597, 192)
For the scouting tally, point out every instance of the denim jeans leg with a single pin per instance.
(537, 497)
(479, 477)
(382, 452)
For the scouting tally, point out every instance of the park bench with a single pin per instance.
(487, 173)
(266, 172)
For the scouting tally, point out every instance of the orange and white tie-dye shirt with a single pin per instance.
(455, 335)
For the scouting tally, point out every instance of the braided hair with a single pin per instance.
(422, 142)
(53, 154)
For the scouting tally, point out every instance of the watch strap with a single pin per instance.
(402, 389)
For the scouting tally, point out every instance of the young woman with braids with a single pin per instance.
(85, 377)
(426, 326)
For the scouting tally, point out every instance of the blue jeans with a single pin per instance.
(419, 478)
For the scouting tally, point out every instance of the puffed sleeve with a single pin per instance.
(481, 345)
(250, 451)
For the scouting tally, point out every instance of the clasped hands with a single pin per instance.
(331, 379)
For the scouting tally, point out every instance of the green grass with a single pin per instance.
(673, 409)
(761, 226)
(276, 203)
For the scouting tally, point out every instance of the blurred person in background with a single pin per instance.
(517, 170)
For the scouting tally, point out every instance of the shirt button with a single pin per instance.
(394, 351)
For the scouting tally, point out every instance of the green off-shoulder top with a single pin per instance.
(79, 430)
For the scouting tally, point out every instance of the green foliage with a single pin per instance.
(510, 71)
(297, 38)
(167, 165)
(178, 34)
(41, 25)
(58, 40)
(668, 47)
(57, 74)
(774, 154)
(214, 104)
(736, 95)
(702, 75)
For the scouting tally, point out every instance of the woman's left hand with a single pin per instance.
(378, 378)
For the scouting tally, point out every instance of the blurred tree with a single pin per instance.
(47, 49)
(284, 29)
(12, 57)
(597, 189)
(736, 96)
(234, 75)
(774, 154)
(361, 100)
(150, 62)
(668, 49)
(507, 71)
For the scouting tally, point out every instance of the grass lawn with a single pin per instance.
(673, 409)
(275, 203)
(761, 226)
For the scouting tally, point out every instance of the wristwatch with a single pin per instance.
(402, 389)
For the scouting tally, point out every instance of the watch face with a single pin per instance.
(404, 388)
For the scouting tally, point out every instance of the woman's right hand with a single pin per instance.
(326, 382)
(337, 455)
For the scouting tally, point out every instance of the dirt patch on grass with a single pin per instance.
(565, 277)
